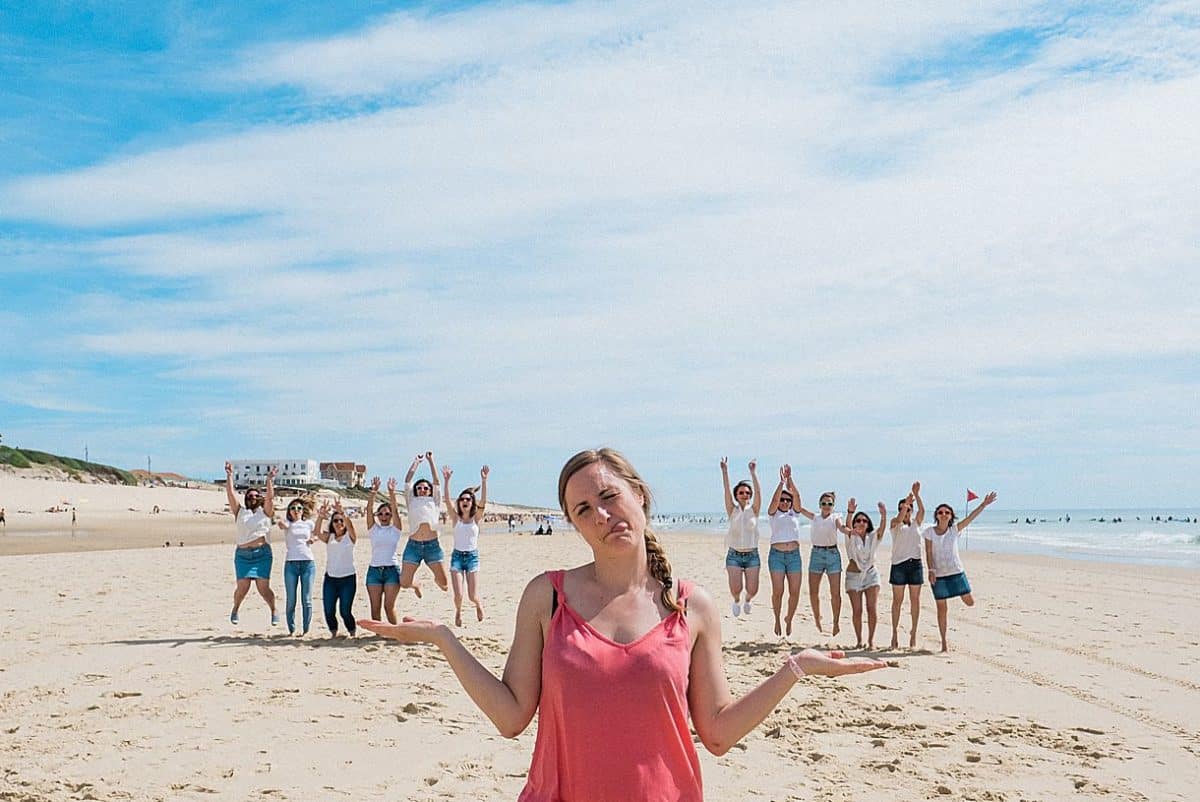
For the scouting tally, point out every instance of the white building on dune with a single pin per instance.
(288, 472)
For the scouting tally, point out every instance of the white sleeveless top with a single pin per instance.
(824, 531)
(862, 550)
(743, 529)
(296, 537)
(906, 543)
(253, 525)
(384, 540)
(785, 527)
(339, 556)
(421, 509)
(945, 552)
(466, 536)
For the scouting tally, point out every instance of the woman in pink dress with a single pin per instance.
(616, 655)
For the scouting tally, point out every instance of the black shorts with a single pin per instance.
(908, 572)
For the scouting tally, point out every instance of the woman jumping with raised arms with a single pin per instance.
(252, 559)
(784, 560)
(825, 559)
(465, 514)
(946, 574)
(742, 561)
(423, 545)
(906, 563)
(615, 655)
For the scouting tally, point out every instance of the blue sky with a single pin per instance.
(880, 243)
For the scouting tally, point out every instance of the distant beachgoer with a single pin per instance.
(72, 516)
(466, 512)
(299, 567)
(783, 561)
(540, 530)
(862, 577)
(742, 560)
(383, 575)
(549, 528)
(423, 545)
(825, 559)
(616, 655)
(907, 570)
(252, 559)
(946, 575)
(3, 522)
(341, 581)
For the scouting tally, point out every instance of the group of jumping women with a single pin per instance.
(386, 575)
(862, 537)
(617, 653)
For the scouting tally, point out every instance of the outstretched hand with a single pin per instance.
(447, 472)
(882, 508)
(374, 484)
(724, 463)
(484, 471)
(835, 663)
(409, 630)
(988, 499)
(852, 506)
(229, 469)
(916, 488)
(391, 484)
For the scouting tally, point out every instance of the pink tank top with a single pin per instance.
(613, 718)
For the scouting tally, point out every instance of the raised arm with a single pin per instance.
(318, 528)
(337, 508)
(230, 493)
(725, 479)
(392, 500)
(719, 719)
(450, 511)
(371, 501)
(432, 470)
(483, 475)
(510, 701)
(879, 530)
(916, 494)
(757, 503)
(412, 470)
(987, 500)
(844, 526)
(269, 500)
(773, 507)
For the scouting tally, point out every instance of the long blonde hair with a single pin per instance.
(656, 558)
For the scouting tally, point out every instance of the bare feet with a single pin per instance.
(458, 618)
(912, 641)
(779, 627)
(895, 644)
(836, 628)
(416, 588)
(788, 623)
(479, 611)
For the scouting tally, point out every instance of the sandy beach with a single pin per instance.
(123, 679)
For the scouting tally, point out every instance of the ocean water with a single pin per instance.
(1144, 536)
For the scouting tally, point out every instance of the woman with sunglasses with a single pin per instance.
(742, 561)
(299, 566)
(946, 575)
(907, 571)
(825, 559)
(252, 559)
(862, 577)
(383, 576)
(422, 545)
(465, 513)
(783, 561)
(616, 654)
(341, 581)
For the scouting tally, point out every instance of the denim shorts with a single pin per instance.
(907, 572)
(464, 561)
(858, 581)
(383, 575)
(822, 560)
(253, 563)
(428, 550)
(784, 562)
(742, 559)
(947, 587)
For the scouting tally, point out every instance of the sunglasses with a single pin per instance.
(295, 507)
(339, 520)
(383, 512)
(942, 512)
(826, 503)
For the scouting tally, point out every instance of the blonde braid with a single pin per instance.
(660, 569)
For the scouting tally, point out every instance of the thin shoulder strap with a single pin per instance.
(685, 589)
(556, 582)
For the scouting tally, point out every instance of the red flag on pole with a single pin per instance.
(971, 495)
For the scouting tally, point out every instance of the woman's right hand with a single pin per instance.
(447, 472)
(374, 484)
(724, 463)
(392, 484)
(409, 630)
(229, 469)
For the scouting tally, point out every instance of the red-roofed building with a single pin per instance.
(348, 474)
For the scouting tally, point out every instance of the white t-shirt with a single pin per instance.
(339, 556)
(384, 540)
(421, 509)
(466, 536)
(296, 537)
(945, 551)
(253, 525)
(906, 543)
(743, 529)
(824, 531)
(862, 550)
(785, 527)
